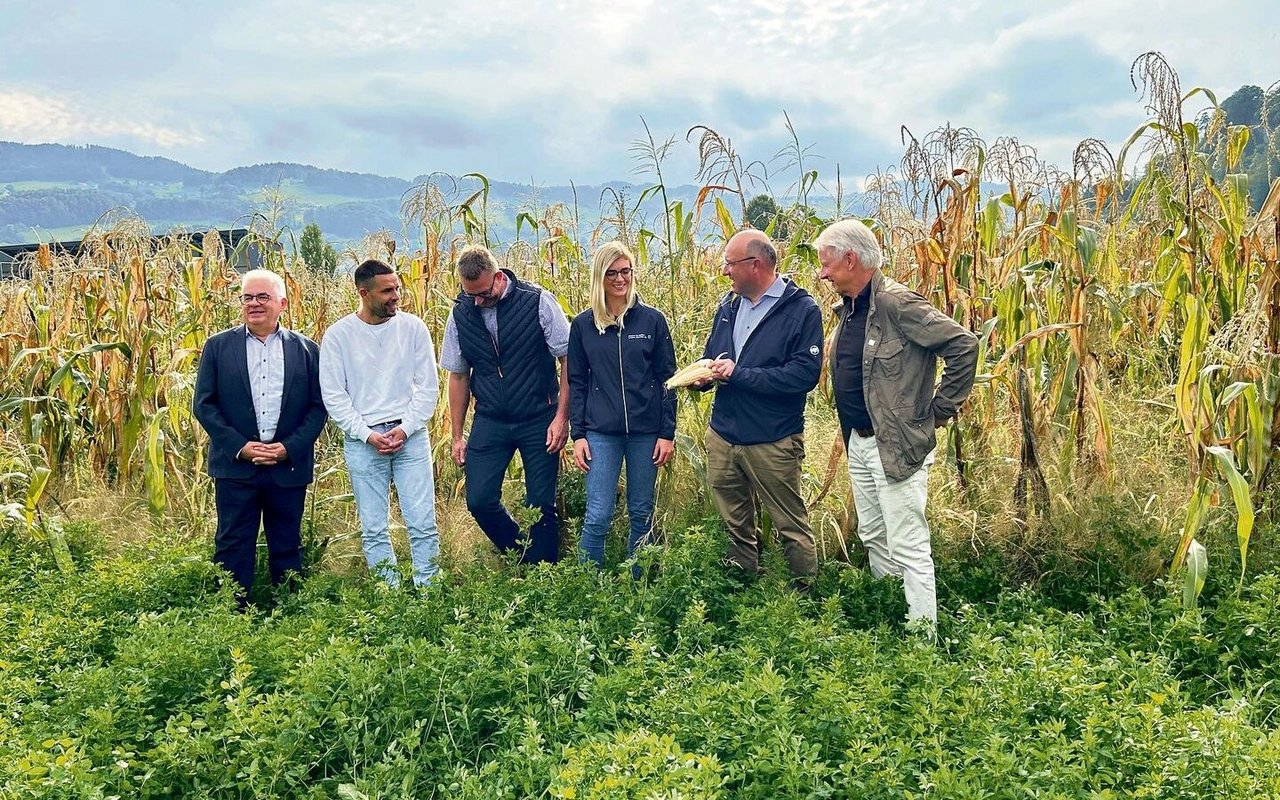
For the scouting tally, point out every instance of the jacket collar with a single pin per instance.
(789, 291)
(877, 283)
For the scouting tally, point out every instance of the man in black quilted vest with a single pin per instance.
(501, 344)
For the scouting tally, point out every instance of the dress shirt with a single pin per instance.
(265, 358)
(750, 314)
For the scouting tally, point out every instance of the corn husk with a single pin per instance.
(696, 372)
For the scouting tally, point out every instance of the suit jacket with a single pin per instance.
(224, 406)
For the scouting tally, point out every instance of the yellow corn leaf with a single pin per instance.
(36, 484)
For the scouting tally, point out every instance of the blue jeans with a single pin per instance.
(371, 477)
(607, 454)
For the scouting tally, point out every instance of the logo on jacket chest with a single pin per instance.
(639, 335)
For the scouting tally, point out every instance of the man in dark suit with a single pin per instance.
(258, 396)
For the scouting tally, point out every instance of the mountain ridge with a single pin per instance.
(58, 191)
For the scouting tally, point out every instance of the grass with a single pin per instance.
(139, 679)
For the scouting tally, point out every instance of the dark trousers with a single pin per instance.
(242, 506)
(489, 452)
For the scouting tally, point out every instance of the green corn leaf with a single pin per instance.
(1193, 574)
(1240, 496)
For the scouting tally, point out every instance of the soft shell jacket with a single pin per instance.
(224, 406)
(763, 400)
(616, 377)
(905, 336)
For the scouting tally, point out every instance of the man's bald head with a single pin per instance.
(751, 262)
(754, 243)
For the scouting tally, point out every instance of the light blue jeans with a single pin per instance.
(371, 477)
(607, 454)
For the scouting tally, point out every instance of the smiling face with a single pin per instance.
(260, 315)
(381, 297)
(740, 267)
(617, 279)
(846, 275)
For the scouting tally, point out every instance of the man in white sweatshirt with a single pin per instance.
(379, 384)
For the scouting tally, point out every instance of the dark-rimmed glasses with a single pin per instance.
(614, 274)
(737, 261)
(260, 297)
(486, 294)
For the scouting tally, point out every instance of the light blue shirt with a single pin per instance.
(551, 317)
(749, 314)
(266, 379)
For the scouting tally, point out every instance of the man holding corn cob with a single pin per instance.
(766, 351)
(884, 357)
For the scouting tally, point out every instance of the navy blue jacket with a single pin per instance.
(616, 377)
(763, 400)
(224, 407)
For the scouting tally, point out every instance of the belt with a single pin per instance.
(382, 427)
(865, 433)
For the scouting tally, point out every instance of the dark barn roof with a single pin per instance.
(14, 265)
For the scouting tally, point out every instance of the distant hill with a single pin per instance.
(1259, 111)
(53, 191)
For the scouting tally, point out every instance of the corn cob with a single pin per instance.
(696, 372)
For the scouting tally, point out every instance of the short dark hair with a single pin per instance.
(763, 250)
(366, 272)
(474, 261)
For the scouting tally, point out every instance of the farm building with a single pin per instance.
(247, 253)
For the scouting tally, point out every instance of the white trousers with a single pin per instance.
(892, 526)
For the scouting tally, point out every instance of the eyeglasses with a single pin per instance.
(260, 297)
(614, 274)
(738, 261)
(486, 294)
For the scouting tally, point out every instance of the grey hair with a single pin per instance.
(851, 236)
(275, 280)
(763, 250)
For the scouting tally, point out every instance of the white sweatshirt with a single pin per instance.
(370, 374)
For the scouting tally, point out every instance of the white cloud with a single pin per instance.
(29, 117)
(557, 88)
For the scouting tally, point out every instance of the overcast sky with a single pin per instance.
(556, 91)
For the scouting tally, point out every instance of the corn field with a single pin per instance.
(1137, 274)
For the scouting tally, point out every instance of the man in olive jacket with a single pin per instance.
(883, 370)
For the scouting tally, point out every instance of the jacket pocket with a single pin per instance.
(592, 412)
(888, 358)
(918, 437)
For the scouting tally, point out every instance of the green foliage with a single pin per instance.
(1256, 112)
(141, 680)
(762, 211)
(316, 254)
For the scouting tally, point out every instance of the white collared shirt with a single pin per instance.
(266, 379)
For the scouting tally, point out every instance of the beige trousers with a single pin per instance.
(770, 471)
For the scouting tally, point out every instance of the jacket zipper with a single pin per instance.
(763, 320)
(622, 381)
(496, 357)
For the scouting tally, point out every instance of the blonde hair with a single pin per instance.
(604, 258)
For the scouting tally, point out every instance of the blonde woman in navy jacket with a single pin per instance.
(620, 354)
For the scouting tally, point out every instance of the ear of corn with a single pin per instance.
(696, 372)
